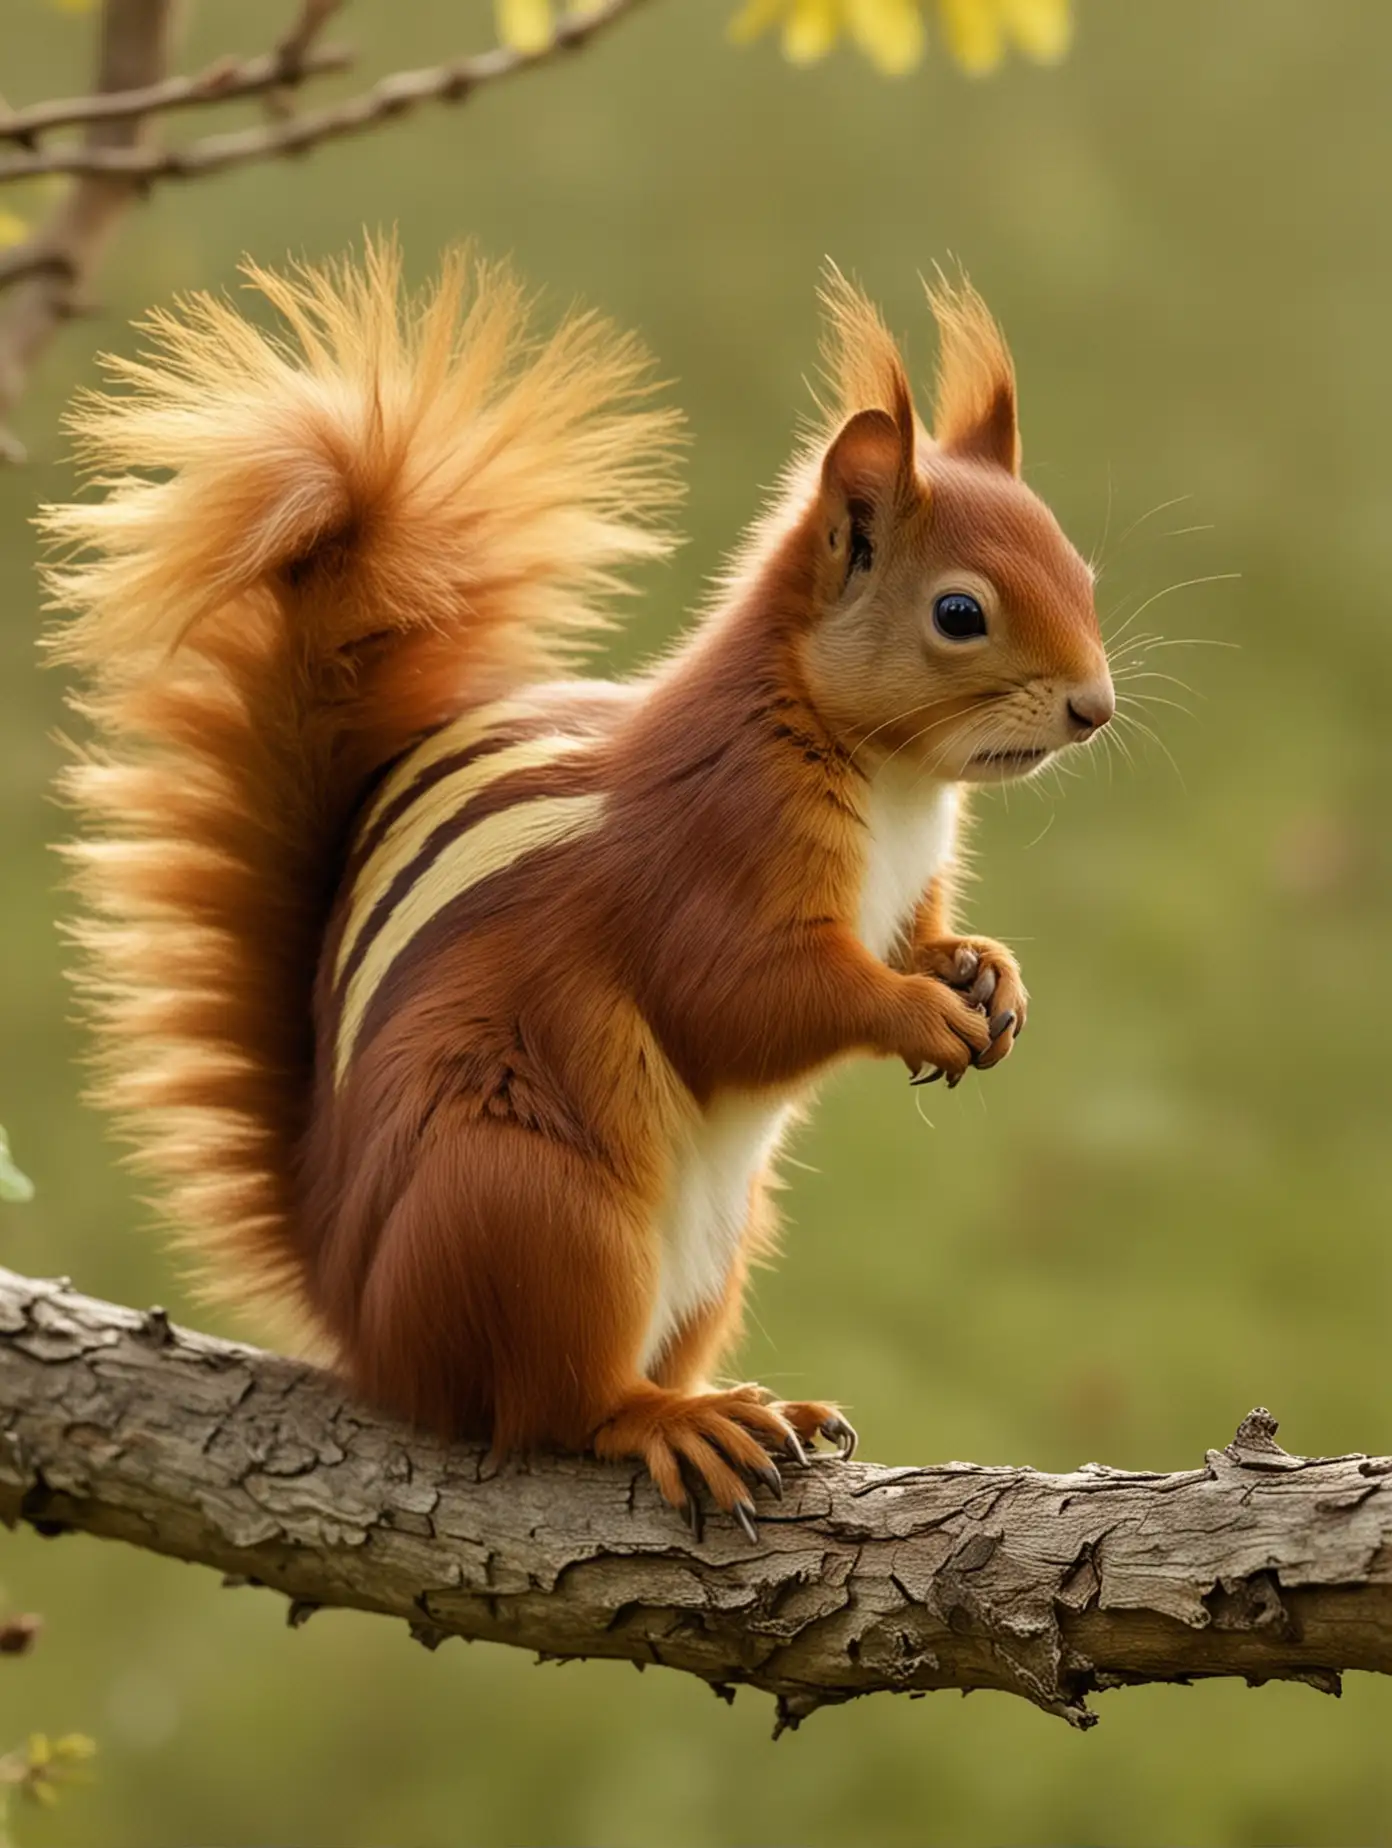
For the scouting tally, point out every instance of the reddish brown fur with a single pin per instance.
(474, 1215)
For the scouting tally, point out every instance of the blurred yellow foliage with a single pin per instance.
(892, 33)
(527, 25)
(13, 229)
(41, 1766)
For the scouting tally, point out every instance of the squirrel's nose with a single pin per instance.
(1090, 708)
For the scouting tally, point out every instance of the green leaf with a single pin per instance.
(14, 1186)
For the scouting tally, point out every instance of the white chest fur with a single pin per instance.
(911, 824)
(707, 1208)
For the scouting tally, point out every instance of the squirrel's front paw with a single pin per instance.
(946, 1034)
(987, 976)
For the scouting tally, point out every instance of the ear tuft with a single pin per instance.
(861, 360)
(975, 412)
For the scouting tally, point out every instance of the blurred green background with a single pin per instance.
(1172, 1204)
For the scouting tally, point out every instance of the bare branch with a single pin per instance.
(296, 46)
(51, 269)
(33, 258)
(293, 51)
(388, 99)
(223, 81)
(862, 1579)
(43, 279)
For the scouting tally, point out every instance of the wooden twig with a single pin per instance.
(293, 52)
(44, 279)
(861, 1579)
(297, 45)
(392, 97)
(50, 271)
(224, 81)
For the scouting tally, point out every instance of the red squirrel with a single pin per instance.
(458, 999)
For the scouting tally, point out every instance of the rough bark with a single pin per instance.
(1258, 1564)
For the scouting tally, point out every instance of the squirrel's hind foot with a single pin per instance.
(718, 1445)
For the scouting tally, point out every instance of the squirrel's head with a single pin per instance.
(953, 622)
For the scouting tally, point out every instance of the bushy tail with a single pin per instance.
(359, 524)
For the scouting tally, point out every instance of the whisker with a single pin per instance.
(1142, 641)
(914, 737)
(898, 719)
(1177, 500)
(918, 1106)
(1134, 663)
(1212, 577)
(1120, 630)
(976, 731)
(1156, 699)
(977, 718)
(1148, 731)
(1101, 545)
(1117, 743)
(1109, 758)
(1195, 641)
(1129, 674)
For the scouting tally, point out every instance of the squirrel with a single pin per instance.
(458, 999)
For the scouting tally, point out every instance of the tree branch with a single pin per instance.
(52, 268)
(954, 1576)
(392, 96)
(225, 80)
(45, 278)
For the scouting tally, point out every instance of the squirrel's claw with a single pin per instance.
(695, 1517)
(691, 1509)
(837, 1430)
(997, 1026)
(965, 965)
(931, 1077)
(743, 1513)
(981, 990)
(770, 1479)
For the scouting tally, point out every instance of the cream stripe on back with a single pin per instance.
(470, 728)
(476, 854)
(437, 805)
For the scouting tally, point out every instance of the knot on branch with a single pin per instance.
(1256, 1437)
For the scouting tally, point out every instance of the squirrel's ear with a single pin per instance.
(865, 482)
(975, 413)
(870, 461)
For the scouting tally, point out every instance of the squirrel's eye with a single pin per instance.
(958, 616)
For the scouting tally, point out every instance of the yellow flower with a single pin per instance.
(526, 25)
(891, 33)
(978, 31)
(40, 1766)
